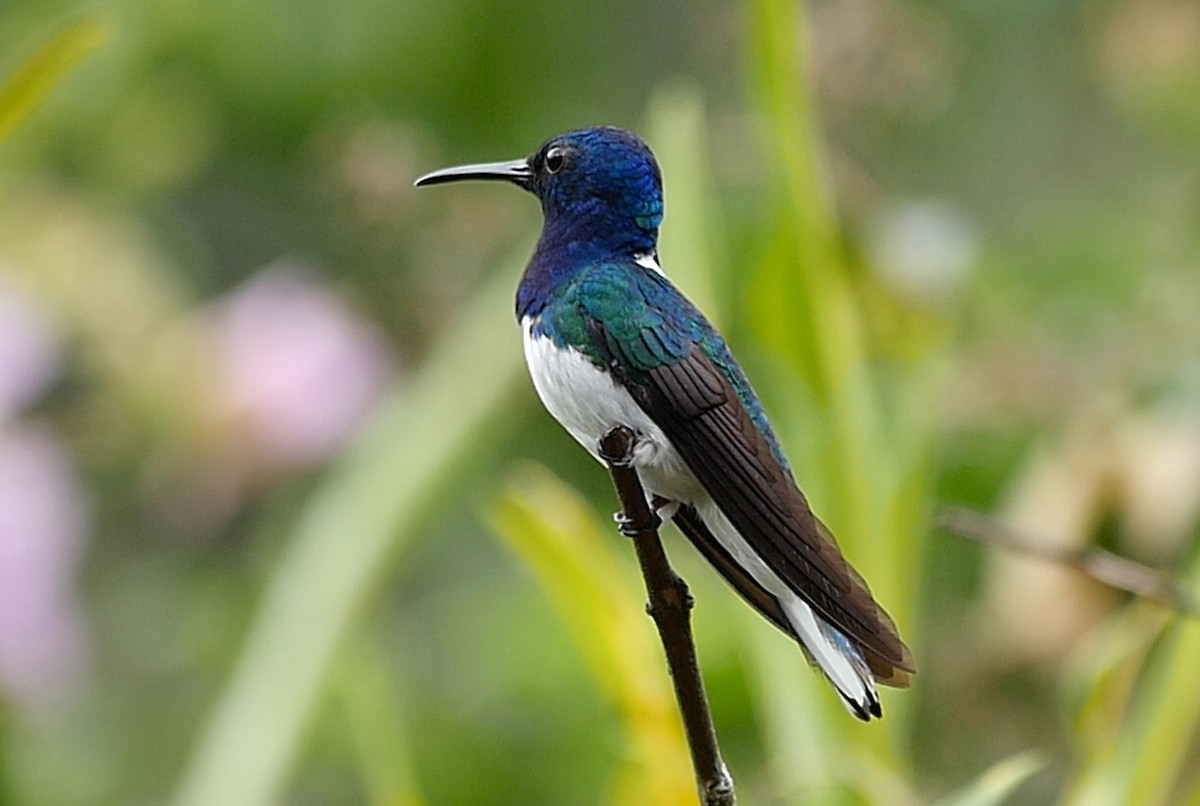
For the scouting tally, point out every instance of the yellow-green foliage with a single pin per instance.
(575, 560)
(34, 80)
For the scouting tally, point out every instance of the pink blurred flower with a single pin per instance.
(29, 352)
(298, 368)
(42, 531)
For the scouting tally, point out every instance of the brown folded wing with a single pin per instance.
(699, 411)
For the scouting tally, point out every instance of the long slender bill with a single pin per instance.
(516, 171)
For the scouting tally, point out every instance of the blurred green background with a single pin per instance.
(282, 521)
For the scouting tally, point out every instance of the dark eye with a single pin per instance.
(555, 159)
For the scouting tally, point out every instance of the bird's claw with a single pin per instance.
(629, 527)
(616, 447)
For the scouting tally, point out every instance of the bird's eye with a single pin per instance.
(555, 159)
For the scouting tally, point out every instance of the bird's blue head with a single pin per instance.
(600, 189)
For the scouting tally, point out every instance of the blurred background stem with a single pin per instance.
(346, 539)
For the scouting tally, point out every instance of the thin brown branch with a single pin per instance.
(1103, 566)
(670, 606)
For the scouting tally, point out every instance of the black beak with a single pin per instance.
(516, 171)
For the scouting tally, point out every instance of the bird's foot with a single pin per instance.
(629, 526)
(616, 447)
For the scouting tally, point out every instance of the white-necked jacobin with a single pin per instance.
(610, 341)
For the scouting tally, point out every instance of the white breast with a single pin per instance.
(589, 403)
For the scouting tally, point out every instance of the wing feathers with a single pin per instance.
(701, 414)
(693, 526)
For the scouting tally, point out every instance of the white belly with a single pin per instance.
(588, 403)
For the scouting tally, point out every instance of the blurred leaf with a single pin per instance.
(869, 477)
(802, 300)
(1137, 724)
(365, 690)
(598, 599)
(995, 785)
(1165, 720)
(796, 728)
(687, 246)
(1109, 672)
(34, 80)
(370, 505)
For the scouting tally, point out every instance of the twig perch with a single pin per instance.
(1103, 566)
(670, 606)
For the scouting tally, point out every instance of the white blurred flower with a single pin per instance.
(297, 367)
(42, 531)
(924, 249)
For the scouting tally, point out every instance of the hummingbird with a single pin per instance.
(610, 341)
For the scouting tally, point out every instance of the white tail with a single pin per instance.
(828, 649)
